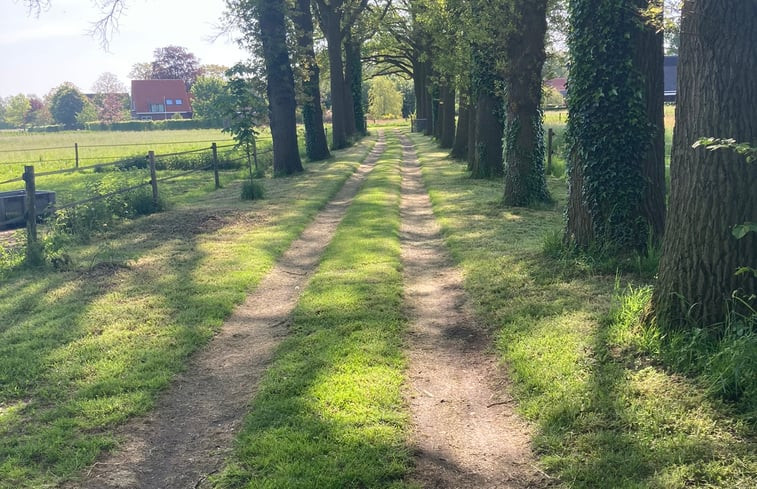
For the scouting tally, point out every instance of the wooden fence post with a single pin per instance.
(550, 135)
(76, 151)
(153, 178)
(33, 253)
(214, 147)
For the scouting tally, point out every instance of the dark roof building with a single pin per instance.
(159, 99)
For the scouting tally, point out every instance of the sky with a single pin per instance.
(39, 54)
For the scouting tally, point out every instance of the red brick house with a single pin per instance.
(159, 99)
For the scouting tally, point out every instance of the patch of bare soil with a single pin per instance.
(466, 433)
(191, 429)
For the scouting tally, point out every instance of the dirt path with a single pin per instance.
(191, 429)
(466, 433)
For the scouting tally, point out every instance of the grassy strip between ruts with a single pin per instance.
(606, 415)
(329, 413)
(85, 349)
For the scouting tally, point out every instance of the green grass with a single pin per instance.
(606, 413)
(83, 350)
(329, 412)
(51, 151)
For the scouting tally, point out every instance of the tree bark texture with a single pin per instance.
(487, 156)
(460, 146)
(648, 60)
(330, 20)
(711, 191)
(525, 182)
(280, 88)
(354, 77)
(316, 146)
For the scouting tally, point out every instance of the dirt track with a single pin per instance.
(191, 429)
(466, 433)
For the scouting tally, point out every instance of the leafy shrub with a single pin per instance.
(252, 190)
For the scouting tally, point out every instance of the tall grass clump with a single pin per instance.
(252, 190)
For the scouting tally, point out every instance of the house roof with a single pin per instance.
(145, 93)
(558, 84)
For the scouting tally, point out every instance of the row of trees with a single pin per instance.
(489, 56)
(488, 59)
(67, 105)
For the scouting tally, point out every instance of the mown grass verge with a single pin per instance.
(84, 349)
(329, 412)
(607, 415)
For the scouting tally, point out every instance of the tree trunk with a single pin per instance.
(280, 81)
(316, 146)
(330, 20)
(711, 191)
(487, 157)
(648, 60)
(460, 146)
(448, 116)
(608, 132)
(354, 77)
(525, 182)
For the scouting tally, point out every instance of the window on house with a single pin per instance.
(178, 101)
(157, 108)
(169, 102)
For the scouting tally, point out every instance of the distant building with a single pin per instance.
(670, 66)
(558, 84)
(159, 99)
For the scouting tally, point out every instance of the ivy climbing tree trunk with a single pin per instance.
(648, 59)
(608, 131)
(525, 182)
(316, 146)
(280, 87)
(711, 191)
(489, 122)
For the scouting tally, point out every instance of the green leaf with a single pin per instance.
(741, 230)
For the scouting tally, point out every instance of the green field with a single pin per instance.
(49, 152)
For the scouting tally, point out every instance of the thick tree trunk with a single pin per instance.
(280, 81)
(648, 60)
(460, 146)
(316, 146)
(711, 191)
(487, 157)
(448, 118)
(331, 26)
(354, 77)
(525, 182)
(607, 132)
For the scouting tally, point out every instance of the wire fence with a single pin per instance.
(29, 205)
(78, 149)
